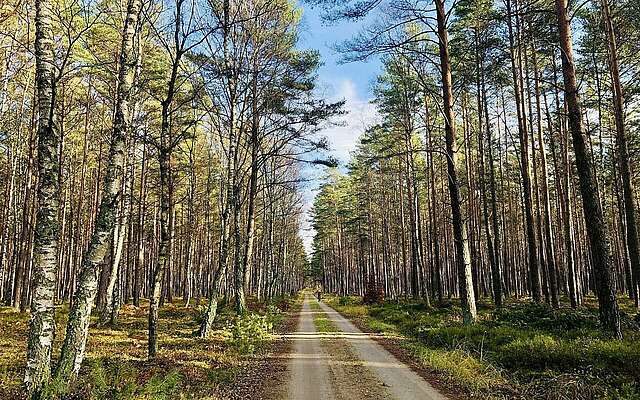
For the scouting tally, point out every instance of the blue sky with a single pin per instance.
(314, 34)
(350, 82)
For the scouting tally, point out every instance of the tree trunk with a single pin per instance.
(223, 260)
(253, 190)
(547, 223)
(467, 295)
(42, 323)
(72, 352)
(491, 228)
(163, 251)
(623, 153)
(594, 218)
(117, 247)
(434, 231)
(142, 210)
(525, 165)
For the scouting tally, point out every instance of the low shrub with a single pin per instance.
(348, 305)
(374, 293)
(542, 317)
(345, 300)
(222, 375)
(283, 304)
(163, 387)
(543, 352)
(105, 378)
(274, 315)
(247, 332)
(381, 327)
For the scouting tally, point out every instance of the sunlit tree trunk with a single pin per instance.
(525, 167)
(72, 352)
(165, 150)
(594, 218)
(42, 323)
(492, 232)
(223, 260)
(467, 294)
(547, 222)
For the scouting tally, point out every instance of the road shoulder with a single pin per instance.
(400, 378)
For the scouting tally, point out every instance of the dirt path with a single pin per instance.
(347, 364)
(309, 365)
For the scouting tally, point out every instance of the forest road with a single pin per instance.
(346, 364)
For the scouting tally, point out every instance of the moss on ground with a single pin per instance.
(521, 351)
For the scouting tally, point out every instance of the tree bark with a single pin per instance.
(467, 295)
(163, 251)
(594, 218)
(42, 323)
(434, 231)
(142, 210)
(547, 223)
(107, 314)
(491, 227)
(253, 190)
(223, 259)
(75, 341)
(525, 165)
(623, 153)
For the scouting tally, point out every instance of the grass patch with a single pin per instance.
(315, 306)
(459, 368)
(523, 350)
(322, 323)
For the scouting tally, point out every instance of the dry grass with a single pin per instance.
(116, 366)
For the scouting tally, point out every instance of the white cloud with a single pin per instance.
(361, 114)
(343, 137)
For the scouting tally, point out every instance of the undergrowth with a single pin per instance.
(523, 350)
(116, 366)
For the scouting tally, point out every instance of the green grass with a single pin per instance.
(523, 350)
(116, 366)
(315, 306)
(322, 323)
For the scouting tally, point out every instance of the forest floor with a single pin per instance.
(306, 350)
(523, 351)
(240, 361)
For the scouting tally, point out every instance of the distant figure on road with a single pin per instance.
(318, 294)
